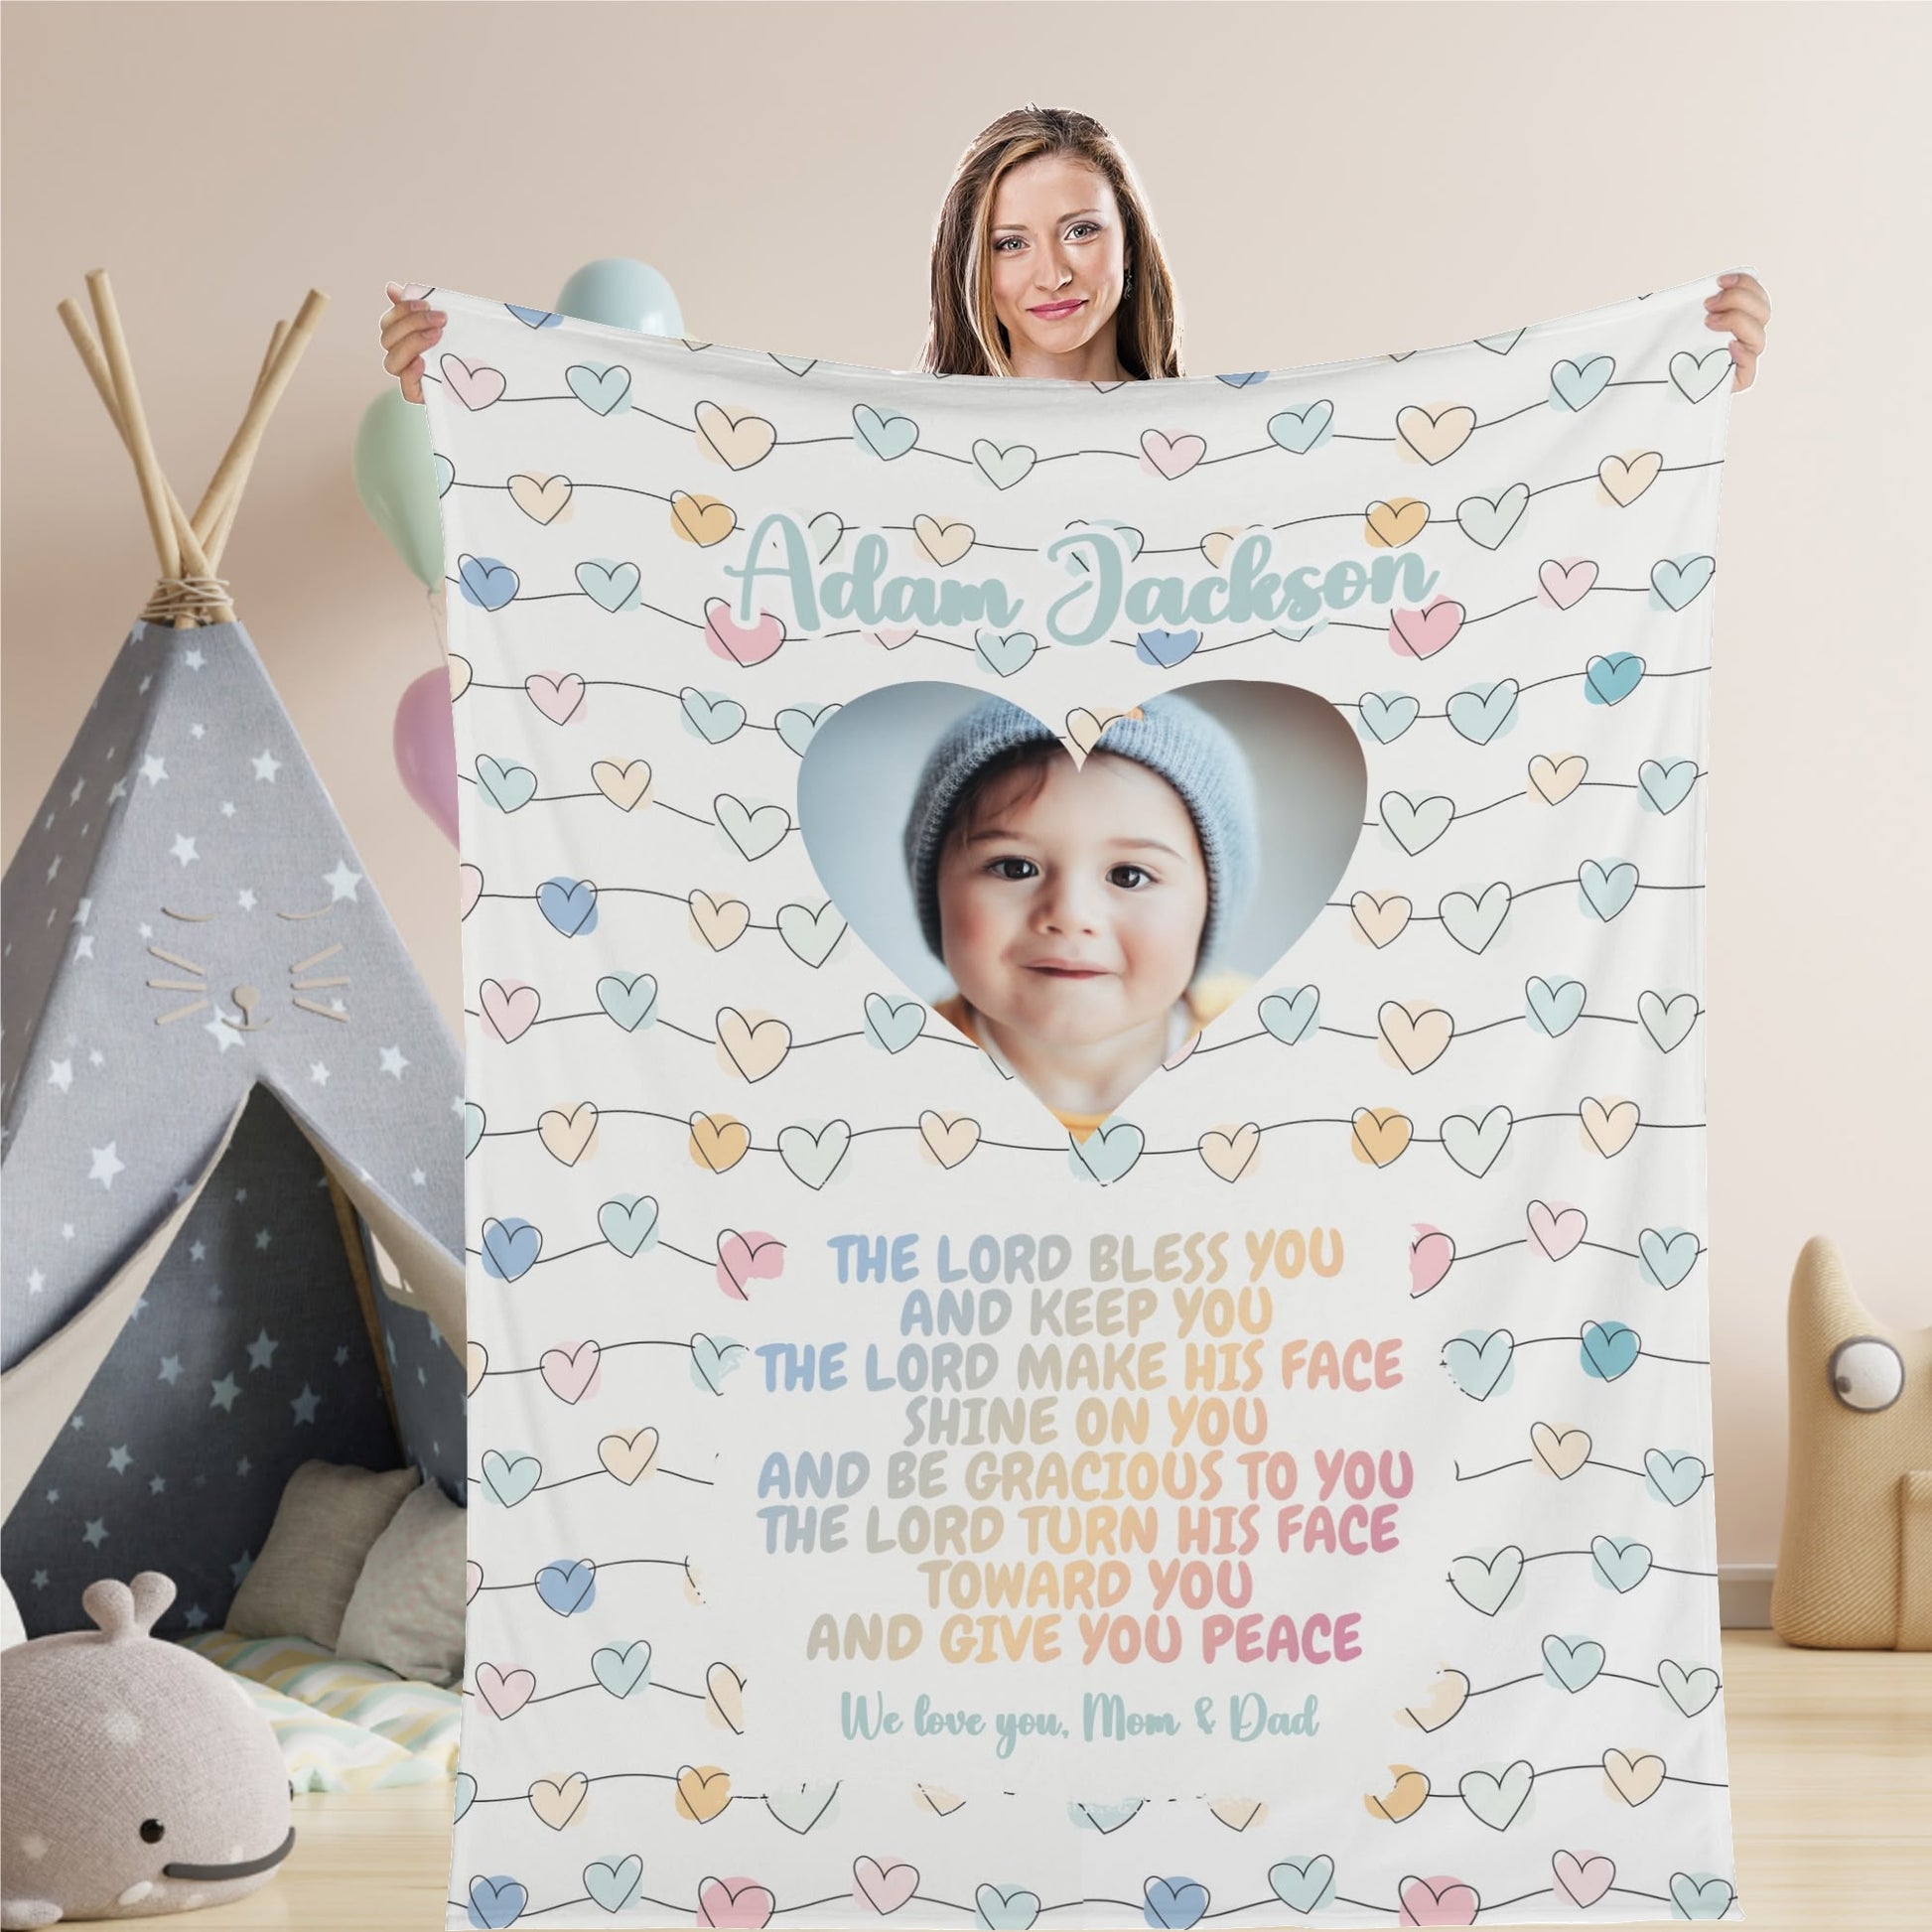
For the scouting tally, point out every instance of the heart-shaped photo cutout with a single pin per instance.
(1078, 899)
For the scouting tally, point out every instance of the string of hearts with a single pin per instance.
(1571, 1665)
(1480, 1360)
(1556, 1232)
(568, 1588)
(513, 1478)
(621, 1671)
(1669, 1476)
(1486, 1584)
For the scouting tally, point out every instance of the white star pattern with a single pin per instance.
(262, 1237)
(226, 1392)
(59, 1073)
(341, 882)
(184, 849)
(261, 1351)
(193, 657)
(224, 1034)
(393, 1061)
(245, 898)
(171, 1369)
(266, 765)
(319, 1073)
(96, 1531)
(305, 1404)
(107, 1164)
(118, 1459)
(154, 768)
(84, 947)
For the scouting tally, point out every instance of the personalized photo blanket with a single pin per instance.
(1085, 1133)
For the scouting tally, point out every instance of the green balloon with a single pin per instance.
(395, 476)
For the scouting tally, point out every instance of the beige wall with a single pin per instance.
(1328, 181)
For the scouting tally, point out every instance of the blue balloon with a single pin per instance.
(622, 294)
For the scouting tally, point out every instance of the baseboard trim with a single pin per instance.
(1744, 1596)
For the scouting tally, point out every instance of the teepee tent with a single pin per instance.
(231, 1119)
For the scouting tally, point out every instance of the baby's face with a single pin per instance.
(1076, 914)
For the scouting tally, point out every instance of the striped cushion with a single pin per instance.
(325, 1755)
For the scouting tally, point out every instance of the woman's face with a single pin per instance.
(1056, 239)
(1074, 915)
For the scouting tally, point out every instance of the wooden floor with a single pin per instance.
(1831, 1769)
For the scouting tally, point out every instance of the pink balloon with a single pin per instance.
(425, 749)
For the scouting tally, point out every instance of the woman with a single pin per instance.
(1045, 262)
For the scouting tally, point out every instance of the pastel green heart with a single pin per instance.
(1304, 1884)
(1478, 1363)
(1005, 1911)
(1297, 431)
(1700, 1897)
(1475, 1145)
(1291, 1014)
(827, 531)
(1667, 1259)
(1689, 1691)
(631, 1003)
(713, 1357)
(628, 1223)
(1607, 889)
(893, 1024)
(1003, 468)
(614, 1886)
(799, 1807)
(1679, 582)
(508, 787)
(1473, 922)
(622, 1672)
(1697, 377)
(1667, 786)
(798, 724)
(597, 387)
(466, 1794)
(1675, 1479)
(811, 934)
(887, 433)
(1484, 1582)
(1488, 521)
(472, 1127)
(509, 1478)
(1609, 1350)
(1416, 826)
(1110, 1151)
(445, 477)
(610, 585)
(753, 830)
(1386, 715)
(1554, 1010)
(1621, 1562)
(1576, 386)
(715, 718)
(1483, 711)
(1667, 1022)
(1496, 1800)
(814, 1154)
(1006, 652)
(1096, 1816)
(1571, 1663)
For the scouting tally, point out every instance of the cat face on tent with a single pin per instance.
(213, 959)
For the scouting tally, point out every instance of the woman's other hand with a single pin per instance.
(1743, 306)
(409, 330)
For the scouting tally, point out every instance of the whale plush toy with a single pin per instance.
(135, 1776)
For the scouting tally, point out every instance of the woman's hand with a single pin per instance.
(409, 330)
(1743, 306)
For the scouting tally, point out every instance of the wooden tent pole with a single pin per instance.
(140, 443)
(217, 533)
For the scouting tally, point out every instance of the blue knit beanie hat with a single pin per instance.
(1196, 754)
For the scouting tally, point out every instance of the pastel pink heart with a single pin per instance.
(893, 636)
(568, 1373)
(1429, 1257)
(884, 1887)
(1172, 455)
(735, 1902)
(750, 1257)
(472, 1581)
(510, 1009)
(1422, 633)
(1586, 1880)
(1556, 1230)
(468, 889)
(505, 1691)
(1183, 1051)
(555, 697)
(1566, 581)
(742, 643)
(1438, 1901)
(474, 388)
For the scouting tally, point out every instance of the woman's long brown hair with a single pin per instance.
(965, 336)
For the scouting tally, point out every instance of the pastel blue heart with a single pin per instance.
(1110, 1151)
(509, 787)
(1304, 1884)
(754, 832)
(1477, 1365)
(1473, 922)
(893, 1024)
(1104, 1817)
(509, 1478)
(1622, 1563)
(1488, 521)
(1697, 377)
(1667, 1022)
(472, 1127)
(885, 434)
(827, 531)
(1003, 468)
(1173, 1904)
(813, 1155)
(609, 585)
(628, 1223)
(1005, 1911)
(1702, 1897)
(1610, 679)
(1386, 715)
(510, 1248)
(811, 934)
(622, 1672)
(1004, 651)
(466, 1794)
(1166, 649)
(1667, 786)
(1609, 1350)
(1289, 1014)
(714, 718)
(1553, 1009)
(1416, 826)
(486, 582)
(533, 318)
(798, 724)
(1245, 379)
(614, 1886)
(496, 1902)
(1495, 1799)
(1607, 889)
(1297, 634)
(1677, 583)
(631, 1003)
(597, 388)
(1574, 1665)
(1576, 386)
(570, 904)
(1674, 1478)
(1483, 711)
(1297, 431)
(568, 1588)
(1475, 1145)
(1667, 1259)
(1690, 1691)
(1486, 1583)
(799, 1807)
(713, 1357)
(445, 474)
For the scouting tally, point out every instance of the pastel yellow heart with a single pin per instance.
(752, 1051)
(565, 1136)
(629, 1457)
(541, 500)
(693, 1582)
(1084, 724)
(476, 1359)
(703, 1791)
(944, 1802)
(625, 785)
(735, 441)
(721, 923)
(949, 1138)
(702, 520)
(1380, 1135)
(1553, 780)
(1392, 524)
(1625, 478)
(944, 542)
(718, 1142)
(1238, 1813)
(1634, 1779)
(1217, 544)
(1410, 1792)
(724, 1698)
(557, 1800)
(1227, 1155)
(1433, 435)
(1416, 1035)
(1610, 1128)
(459, 676)
(1446, 1697)
(1381, 919)
(1562, 1451)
